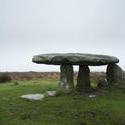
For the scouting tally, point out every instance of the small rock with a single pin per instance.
(33, 96)
(92, 96)
(51, 93)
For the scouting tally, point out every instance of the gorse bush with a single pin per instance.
(4, 78)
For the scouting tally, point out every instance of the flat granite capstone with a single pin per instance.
(74, 59)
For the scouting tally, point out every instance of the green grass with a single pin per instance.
(64, 109)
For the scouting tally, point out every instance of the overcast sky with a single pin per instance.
(31, 27)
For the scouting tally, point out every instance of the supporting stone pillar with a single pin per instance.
(115, 75)
(83, 80)
(110, 74)
(66, 78)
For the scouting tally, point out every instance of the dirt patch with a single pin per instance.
(92, 91)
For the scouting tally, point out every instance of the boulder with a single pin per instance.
(102, 83)
(115, 75)
(74, 59)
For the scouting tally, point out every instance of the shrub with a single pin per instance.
(15, 83)
(4, 78)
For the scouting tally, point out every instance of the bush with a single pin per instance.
(5, 78)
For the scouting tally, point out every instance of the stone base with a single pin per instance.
(66, 78)
(83, 81)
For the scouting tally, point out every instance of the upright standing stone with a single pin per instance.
(115, 76)
(110, 74)
(83, 78)
(66, 78)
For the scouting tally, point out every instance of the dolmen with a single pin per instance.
(114, 73)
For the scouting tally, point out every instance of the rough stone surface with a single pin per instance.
(92, 96)
(83, 78)
(74, 59)
(115, 76)
(102, 83)
(66, 78)
(33, 96)
(51, 93)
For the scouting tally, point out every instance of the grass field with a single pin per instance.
(108, 108)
